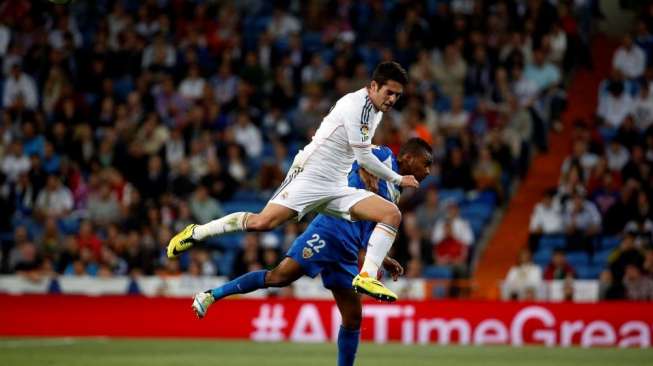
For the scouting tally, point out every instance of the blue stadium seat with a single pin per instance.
(247, 195)
(601, 257)
(470, 103)
(229, 241)
(610, 242)
(438, 272)
(456, 195)
(543, 257)
(478, 210)
(588, 272)
(576, 259)
(238, 205)
(551, 242)
(225, 262)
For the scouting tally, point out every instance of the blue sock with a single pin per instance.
(246, 283)
(347, 346)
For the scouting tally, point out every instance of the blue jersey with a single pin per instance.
(330, 245)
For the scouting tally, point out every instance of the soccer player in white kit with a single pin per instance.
(317, 180)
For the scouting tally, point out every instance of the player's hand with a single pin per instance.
(409, 181)
(370, 180)
(392, 266)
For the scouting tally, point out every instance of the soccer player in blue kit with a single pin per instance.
(330, 246)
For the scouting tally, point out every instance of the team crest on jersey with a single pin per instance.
(307, 253)
(365, 131)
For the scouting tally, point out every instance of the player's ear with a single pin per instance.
(374, 86)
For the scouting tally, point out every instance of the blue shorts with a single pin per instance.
(321, 250)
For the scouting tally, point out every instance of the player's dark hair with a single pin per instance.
(415, 146)
(389, 70)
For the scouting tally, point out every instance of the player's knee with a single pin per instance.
(277, 278)
(352, 320)
(260, 223)
(392, 217)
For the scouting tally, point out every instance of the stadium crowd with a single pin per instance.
(598, 222)
(123, 121)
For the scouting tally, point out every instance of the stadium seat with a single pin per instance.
(478, 210)
(578, 259)
(438, 272)
(542, 257)
(602, 256)
(551, 242)
(238, 205)
(448, 195)
(588, 272)
(230, 241)
(610, 242)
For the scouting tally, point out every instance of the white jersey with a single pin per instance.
(351, 122)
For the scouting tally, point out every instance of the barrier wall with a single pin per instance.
(436, 322)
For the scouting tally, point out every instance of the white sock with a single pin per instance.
(236, 221)
(377, 248)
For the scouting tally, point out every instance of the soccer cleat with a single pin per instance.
(201, 303)
(369, 286)
(182, 241)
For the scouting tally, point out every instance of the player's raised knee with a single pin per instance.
(392, 217)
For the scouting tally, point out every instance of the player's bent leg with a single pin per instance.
(272, 216)
(388, 218)
(287, 272)
(349, 305)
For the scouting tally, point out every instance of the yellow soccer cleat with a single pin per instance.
(364, 284)
(182, 241)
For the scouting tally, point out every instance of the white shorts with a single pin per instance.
(304, 193)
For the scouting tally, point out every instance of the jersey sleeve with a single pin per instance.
(357, 120)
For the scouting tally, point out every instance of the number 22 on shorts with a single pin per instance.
(313, 244)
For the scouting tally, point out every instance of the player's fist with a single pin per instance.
(392, 266)
(409, 181)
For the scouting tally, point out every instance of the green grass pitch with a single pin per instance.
(149, 352)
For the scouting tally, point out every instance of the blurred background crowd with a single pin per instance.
(123, 121)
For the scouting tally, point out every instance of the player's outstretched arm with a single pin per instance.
(370, 180)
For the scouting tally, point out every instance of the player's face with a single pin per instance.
(420, 165)
(386, 96)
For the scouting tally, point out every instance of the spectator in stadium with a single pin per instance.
(643, 107)
(429, 213)
(558, 268)
(580, 156)
(452, 236)
(617, 156)
(19, 90)
(639, 287)
(487, 173)
(629, 58)
(524, 279)
(53, 201)
(204, 207)
(456, 171)
(103, 208)
(626, 254)
(546, 219)
(614, 106)
(449, 71)
(15, 162)
(582, 223)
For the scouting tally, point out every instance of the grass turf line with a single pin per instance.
(163, 352)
